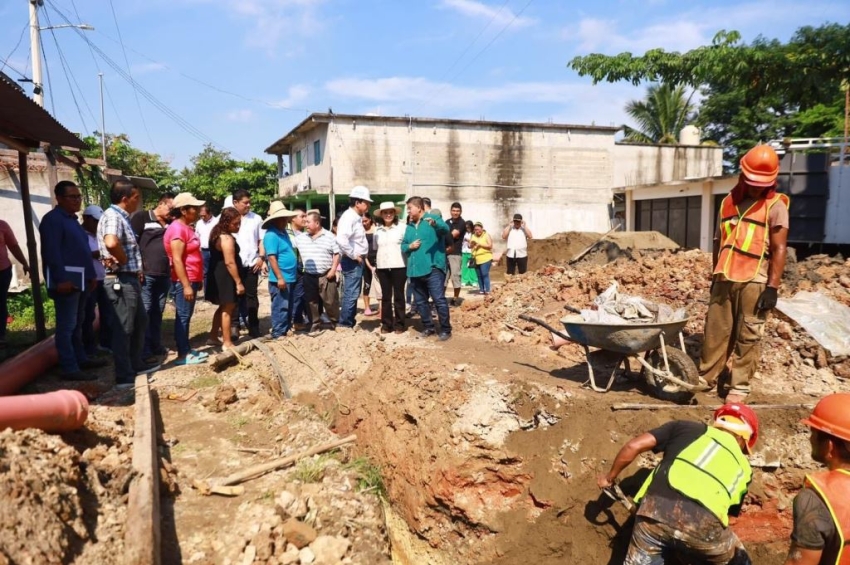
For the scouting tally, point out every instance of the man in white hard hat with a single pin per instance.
(351, 238)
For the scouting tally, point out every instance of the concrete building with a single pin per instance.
(560, 177)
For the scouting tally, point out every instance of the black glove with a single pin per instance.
(767, 300)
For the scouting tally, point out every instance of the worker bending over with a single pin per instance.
(821, 534)
(749, 257)
(685, 503)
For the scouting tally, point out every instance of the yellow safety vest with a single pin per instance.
(712, 471)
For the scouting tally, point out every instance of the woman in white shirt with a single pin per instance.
(391, 270)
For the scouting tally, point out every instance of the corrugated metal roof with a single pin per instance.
(25, 121)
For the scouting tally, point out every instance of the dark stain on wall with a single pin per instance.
(363, 157)
(454, 176)
(507, 167)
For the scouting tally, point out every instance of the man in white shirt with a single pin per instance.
(353, 246)
(251, 259)
(203, 227)
(517, 235)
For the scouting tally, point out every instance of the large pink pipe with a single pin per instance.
(25, 366)
(59, 411)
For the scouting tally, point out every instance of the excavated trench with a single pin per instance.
(489, 454)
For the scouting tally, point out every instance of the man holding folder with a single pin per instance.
(69, 273)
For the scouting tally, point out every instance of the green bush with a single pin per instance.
(22, 310)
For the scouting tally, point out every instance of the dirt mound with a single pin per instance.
(560, 248)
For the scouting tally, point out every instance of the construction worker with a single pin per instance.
(749, 258)
(821, 534)
(686, 502)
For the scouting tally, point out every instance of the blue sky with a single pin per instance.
(280, 59)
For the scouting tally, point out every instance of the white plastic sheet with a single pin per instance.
(825, 319)
(612, 307)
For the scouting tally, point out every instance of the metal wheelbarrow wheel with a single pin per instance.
(681, 367)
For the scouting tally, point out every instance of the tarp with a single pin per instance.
(826, 320)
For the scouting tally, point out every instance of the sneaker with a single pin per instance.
(124, 386)
(79, 376)
(428, 332)
(444, 336)
(94, 363)
(148, 368)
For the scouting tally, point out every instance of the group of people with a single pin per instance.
(704, 475)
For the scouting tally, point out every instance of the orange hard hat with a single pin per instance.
(740, 420)
(832, 416)
(760, 166)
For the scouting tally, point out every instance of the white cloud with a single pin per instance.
(146, 68)
(296, 94)
(499, 16)
(686, 30)
(241, 116)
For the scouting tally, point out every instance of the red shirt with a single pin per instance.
(192, 258)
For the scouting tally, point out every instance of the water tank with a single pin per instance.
(689, 135)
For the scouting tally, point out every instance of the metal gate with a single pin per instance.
(677, 218)
(804, 177)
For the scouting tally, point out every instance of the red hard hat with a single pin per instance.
(743, 413)
(832, 416)
(760, 166)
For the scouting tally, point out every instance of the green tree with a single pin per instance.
(751, 92)
(661, 115)
(215, 174)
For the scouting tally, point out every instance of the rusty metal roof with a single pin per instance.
(27, 123)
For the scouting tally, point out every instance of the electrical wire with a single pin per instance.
(130, 74)
(14, 49)
(46, 72)
(475, 40)
(181, 122)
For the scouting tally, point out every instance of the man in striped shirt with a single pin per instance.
(320, 256)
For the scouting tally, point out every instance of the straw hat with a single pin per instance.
(389, 206)
(186, 199)
(278, 210)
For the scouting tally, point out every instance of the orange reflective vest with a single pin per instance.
(744, 238)
(834, 489)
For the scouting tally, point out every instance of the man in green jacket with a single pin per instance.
(424, 247)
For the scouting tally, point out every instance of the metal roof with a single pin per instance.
(282, 145)
(24, 122)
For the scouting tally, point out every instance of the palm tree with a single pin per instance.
(661, 115)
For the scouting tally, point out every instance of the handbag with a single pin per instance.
(471, 263)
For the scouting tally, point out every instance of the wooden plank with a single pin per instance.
(142, 529)
(638, 406)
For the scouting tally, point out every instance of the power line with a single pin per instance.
(182, 123)
(47, 72)
(130, 74)
(206, 84)
(477, 37)
(114, 108)
(15, 48)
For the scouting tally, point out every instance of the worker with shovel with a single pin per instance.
(749, 258)
(821, 534)
(686, 502)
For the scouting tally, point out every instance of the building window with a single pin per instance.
(298, 162)
(317, 152)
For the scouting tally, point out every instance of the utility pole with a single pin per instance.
(35, 50)
(102, 121)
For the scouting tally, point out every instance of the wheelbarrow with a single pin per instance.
(668, 370)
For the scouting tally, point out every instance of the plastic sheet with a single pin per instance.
(825, 319)
(612, 307)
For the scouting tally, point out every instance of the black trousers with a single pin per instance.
(518, 263)
(392, 297)
(249, 303)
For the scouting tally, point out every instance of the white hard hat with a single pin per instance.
(361, 193)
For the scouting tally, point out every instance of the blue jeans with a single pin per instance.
(183, 318)
(154, 294)
(70, 312)
(129, 322)
(352, 271)
(298, 301)
(97, 299)
(5, 282)
(408, 295)
(282, 300)
(483, 271)
(205, 253)
(432, 286)
(654, 543)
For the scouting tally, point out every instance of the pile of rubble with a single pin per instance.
(678, 279)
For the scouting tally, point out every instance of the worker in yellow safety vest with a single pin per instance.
(686, 502)
(749, 257)
(821, 534)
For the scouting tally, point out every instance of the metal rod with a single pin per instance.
(664, 353)
(639, 406)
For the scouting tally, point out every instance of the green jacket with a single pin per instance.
(432, 251)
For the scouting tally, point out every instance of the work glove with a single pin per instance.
(767, 299)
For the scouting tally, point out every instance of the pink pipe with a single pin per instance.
(25, 366)
(59, 411)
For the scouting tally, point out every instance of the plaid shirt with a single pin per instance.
(116, 221)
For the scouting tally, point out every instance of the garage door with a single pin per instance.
(677, 218)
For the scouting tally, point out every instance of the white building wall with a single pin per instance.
(639, 165)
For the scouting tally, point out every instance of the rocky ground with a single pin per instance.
(483, 449)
